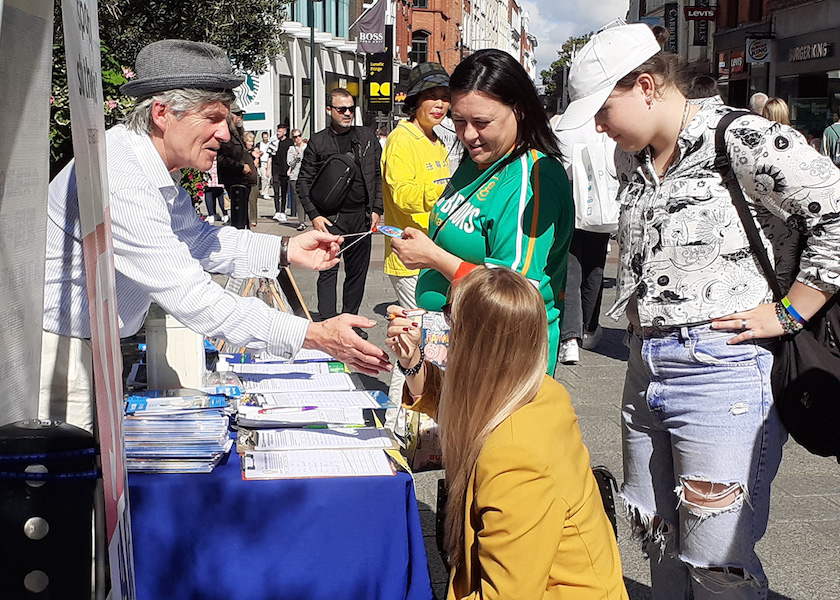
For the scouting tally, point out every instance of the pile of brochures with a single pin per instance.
(176, 431)
(306, 419)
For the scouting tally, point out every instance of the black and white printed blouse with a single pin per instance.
(684, 254)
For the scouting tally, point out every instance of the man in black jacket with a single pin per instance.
(278, 171)
(362, 208)
(236, 169)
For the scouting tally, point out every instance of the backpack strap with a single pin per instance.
(724, 167)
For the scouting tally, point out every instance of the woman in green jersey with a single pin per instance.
(509, 203)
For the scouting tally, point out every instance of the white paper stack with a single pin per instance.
(294, 464)
(298, 381)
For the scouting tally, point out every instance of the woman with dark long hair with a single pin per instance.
(524, 518)
(509, 203)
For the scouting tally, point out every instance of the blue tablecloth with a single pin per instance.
(216, 536)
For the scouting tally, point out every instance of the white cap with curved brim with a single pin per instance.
(608, 56)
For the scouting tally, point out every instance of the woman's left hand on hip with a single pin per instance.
(759, 323)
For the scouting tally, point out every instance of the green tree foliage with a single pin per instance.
(552, 77)
(248, 31)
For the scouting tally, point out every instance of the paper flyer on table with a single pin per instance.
(265, 368)
(304, 355)
(296, 382)
(295, 464)
(357, 399)
(299, 418)
(312, 355)
(298, 439)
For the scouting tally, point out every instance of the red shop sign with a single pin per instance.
(737, 62)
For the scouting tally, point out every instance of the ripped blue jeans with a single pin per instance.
(698, 412)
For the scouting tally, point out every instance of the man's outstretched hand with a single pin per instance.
(336, 337)
(314, 250)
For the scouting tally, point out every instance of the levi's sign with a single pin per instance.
(695, 13)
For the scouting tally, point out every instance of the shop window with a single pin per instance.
(419, 47)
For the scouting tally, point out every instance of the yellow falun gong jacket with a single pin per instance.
(415, 171)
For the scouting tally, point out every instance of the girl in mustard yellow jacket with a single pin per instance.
(524, 518)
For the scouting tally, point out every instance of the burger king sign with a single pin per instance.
(758, 50)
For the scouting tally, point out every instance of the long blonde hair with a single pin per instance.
(497, 360)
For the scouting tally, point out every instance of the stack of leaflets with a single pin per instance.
(176, 431)
(314, 434)
(305, 418)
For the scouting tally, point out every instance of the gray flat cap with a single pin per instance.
(177, 64)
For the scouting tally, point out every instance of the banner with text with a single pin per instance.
(81, 38)
(701, 26)
(671, 22)
(379, 88)
(370, 28)
(25, 71)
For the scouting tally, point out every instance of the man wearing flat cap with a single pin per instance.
(162, 250)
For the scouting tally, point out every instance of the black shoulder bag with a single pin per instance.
(806, 365)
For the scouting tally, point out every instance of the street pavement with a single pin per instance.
(801, 550)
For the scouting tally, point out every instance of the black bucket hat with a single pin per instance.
(426, 76)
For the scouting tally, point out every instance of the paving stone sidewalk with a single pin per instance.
(801, 550)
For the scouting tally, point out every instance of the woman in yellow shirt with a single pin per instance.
(524, 517)
(415, 170)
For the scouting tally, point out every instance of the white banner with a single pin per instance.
(25, 70)
(84, 77)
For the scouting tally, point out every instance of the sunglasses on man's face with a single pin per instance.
(343, 109)
(295, 136)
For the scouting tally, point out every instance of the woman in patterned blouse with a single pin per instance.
(702, 438)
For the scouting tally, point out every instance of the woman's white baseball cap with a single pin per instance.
(608, 56)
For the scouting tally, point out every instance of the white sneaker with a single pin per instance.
(225, 218)
(569, 353)
(281, 218)
(590, 340)
(210, 219)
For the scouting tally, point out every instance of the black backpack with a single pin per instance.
(332, 183)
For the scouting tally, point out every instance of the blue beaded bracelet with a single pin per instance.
(793, 312)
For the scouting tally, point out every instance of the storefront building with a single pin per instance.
(283, 94)
(805, 70)
(738, 78)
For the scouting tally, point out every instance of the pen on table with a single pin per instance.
(285, 409)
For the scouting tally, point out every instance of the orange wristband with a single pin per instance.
(463, 269)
